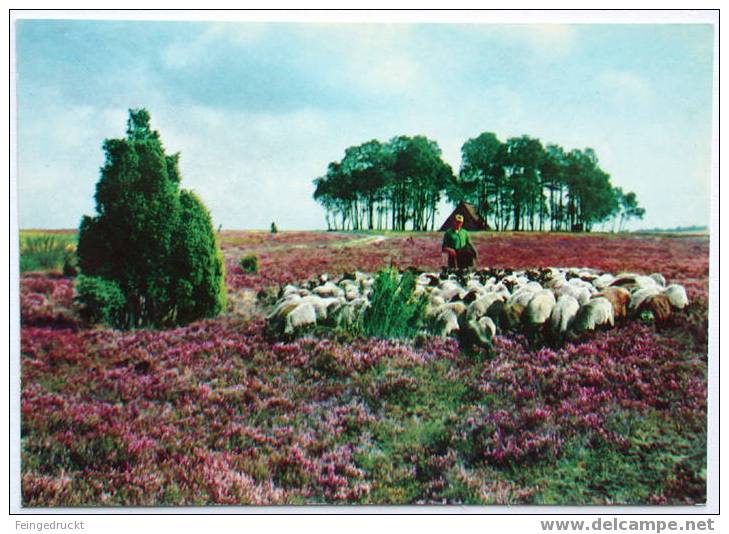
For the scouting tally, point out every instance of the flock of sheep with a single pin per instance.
(552, 302)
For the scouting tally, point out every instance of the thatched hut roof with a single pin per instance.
(471, 219)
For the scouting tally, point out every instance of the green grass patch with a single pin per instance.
(47, 251)
(409, 457)
(660, 463)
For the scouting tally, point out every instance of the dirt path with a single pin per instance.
(369, 240)
(357, 242)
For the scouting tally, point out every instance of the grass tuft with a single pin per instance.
(395, 311)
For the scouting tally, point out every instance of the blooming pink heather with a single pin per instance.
(215, 413)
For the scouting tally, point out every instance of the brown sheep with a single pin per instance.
(659, 306)
(619, 298)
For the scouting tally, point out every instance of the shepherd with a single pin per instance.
(456, 243)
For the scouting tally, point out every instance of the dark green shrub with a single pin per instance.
(153, 240)
(100, 300)
(395, 311)
(274, 228)
(197, 263)
(249, 264)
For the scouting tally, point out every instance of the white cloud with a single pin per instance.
(543, 41)
(625, 84)
(393, 74)
(377, 57)
(550, 39)
(180, 53)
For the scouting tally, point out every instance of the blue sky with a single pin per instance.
(258, 110)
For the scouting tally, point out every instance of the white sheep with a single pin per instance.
(639, 295)
(283, 308)
(539, 308)
(490, 282)
(677, 295)
(602, 281)
(474, 285)
(328, 289)
(476, 333)
(347, 283)
(290, 289)
(457, 307)
(581, 294)
(292, 297)
(436, 300)
(302, 315)
(563, 313)
(446, 322)
(521, 297)
(597, 312)
(349, 312)
(448, 291)
(480, 306)
(533, 286)
(321, 305)
(500, 289)
(626, 280)
(556, 282)
(487, 326)
(634, 282)
(564, 304)
(351, 292)
(579, 282)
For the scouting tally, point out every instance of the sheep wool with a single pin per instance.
(602, 281)
(619, 297)
(597, 312)
(539, 308)
(658, 305)
(303, 315)
(446, 323)
(563, 314)
(676, 295)
(480, 306)
(637, 298)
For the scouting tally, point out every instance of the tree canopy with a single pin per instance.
(518, 184)
(381, 185)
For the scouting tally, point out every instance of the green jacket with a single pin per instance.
(456, 239)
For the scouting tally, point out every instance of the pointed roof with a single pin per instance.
(471, 219)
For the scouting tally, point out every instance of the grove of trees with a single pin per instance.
(385, 185)
(515, 185)
(149, 257)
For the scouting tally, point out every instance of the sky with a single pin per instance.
(258, 110)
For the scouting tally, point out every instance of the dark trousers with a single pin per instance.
(462, 260)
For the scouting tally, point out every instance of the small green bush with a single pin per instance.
(395, 311)
(100, 300)
(249, 264)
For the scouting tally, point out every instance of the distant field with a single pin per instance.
(218, 413)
